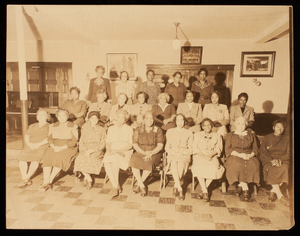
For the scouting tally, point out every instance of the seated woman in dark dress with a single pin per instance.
(36, 143)
(275, 158)
(241, 150)
(148, 141)
(164, 113)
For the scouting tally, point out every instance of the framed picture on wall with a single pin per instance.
(117, 62)
(191, 55)
(258, 64)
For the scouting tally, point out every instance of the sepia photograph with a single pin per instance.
(149, 117)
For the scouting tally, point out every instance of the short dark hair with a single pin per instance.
(100, 67)
(94, 113)
(124, 71)
(141, 92)
(187, 92)
(203, 69)
(62, 110)
(245, 95)
(183, 116)
(150, 71)
(279, 121)
(209, 120)
(216, 92)
(177, 73)
(75, 88)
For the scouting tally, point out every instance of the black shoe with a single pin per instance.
(181, 196)
(272, 197)
(205, 197)
(114, 192)
(175, 192)
(136, 189)
(245, 195)
(200, 195)
(238, 191)
(45, 187)
(143, 192)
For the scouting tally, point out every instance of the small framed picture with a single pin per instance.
(117, 62)
(257, 64)
(191, 55)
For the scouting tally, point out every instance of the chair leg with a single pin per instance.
(223, 186)
(193, 183)
(161, 180)
(133, 181)
(164, 180)
(255, 189)
(105, 179)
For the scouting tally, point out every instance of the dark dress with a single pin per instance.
(202, 92)
(36, 134)
(238, 169)
(275, 147)
(60, 135)
(78, 107)
(176, 93)
(160, 115)
(105, 86)
(147, 142)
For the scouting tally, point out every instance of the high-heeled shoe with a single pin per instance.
(45, 187)
(245, 195)
(143, 191)
(114, 192)
(119, 189)
(205, 197)
(272, 197)
(199, 195)
(175, 192)
(180, 195)
(238, 191)
(25, 182)
(136, 189)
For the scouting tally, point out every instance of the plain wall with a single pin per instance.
(85, 58)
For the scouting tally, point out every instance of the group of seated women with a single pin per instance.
(123, 135)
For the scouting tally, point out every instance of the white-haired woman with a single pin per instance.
(121, 105)
(36, 143)
(242, 165)
(164, 113)
(118, 149)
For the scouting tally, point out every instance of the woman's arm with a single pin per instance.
(138, 149)
(83, 110)
(195, 143)
(190, 144)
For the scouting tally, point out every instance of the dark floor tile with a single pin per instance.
(223, 226)
(27, 192)
(170, 184)
(201, 217)
(62, 225)
(120, 198)
(34, 199)
(132, 205)
(128, 181)
(238, 211)
(51, 216)
(98, 185)
(268, 206)
(194, 195)
(106, 220)
(261, 221)
(104, 191)
(42, 207)
(82, 202)
(164, 224)
(215, 203)
(166, 200)
(10, 221)
(64, 188)
(184, 208)
(188, 190)
(72, 195)
(93, 211)
(153, 193)
(58, 183)
(147, 214)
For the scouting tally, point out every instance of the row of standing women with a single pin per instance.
(55, 146)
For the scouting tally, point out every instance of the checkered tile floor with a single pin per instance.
(69, 206)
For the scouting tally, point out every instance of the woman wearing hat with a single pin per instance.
(275, 158)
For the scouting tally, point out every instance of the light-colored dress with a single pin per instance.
(91, 138)
(78, 108)
(60, 135)
(36, 135)
(218, 113)
(119, 138)
(207, 143)
(191, 111)
(127, 88)
(179, 146)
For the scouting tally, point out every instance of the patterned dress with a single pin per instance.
(147, 142)
(76, 108)
(119, 137)
(152, 91)
(238, 169)
(179, 146)
(91, 138)
(203, 92)
(127, 88)
(60, 135)
(275, 147)
(206, 143)
(36, 135)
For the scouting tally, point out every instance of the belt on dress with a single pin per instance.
(203, 98)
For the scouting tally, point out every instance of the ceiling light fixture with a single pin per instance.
(176, 41)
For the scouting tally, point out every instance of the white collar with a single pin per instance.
(163, 108)
(241, 133)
